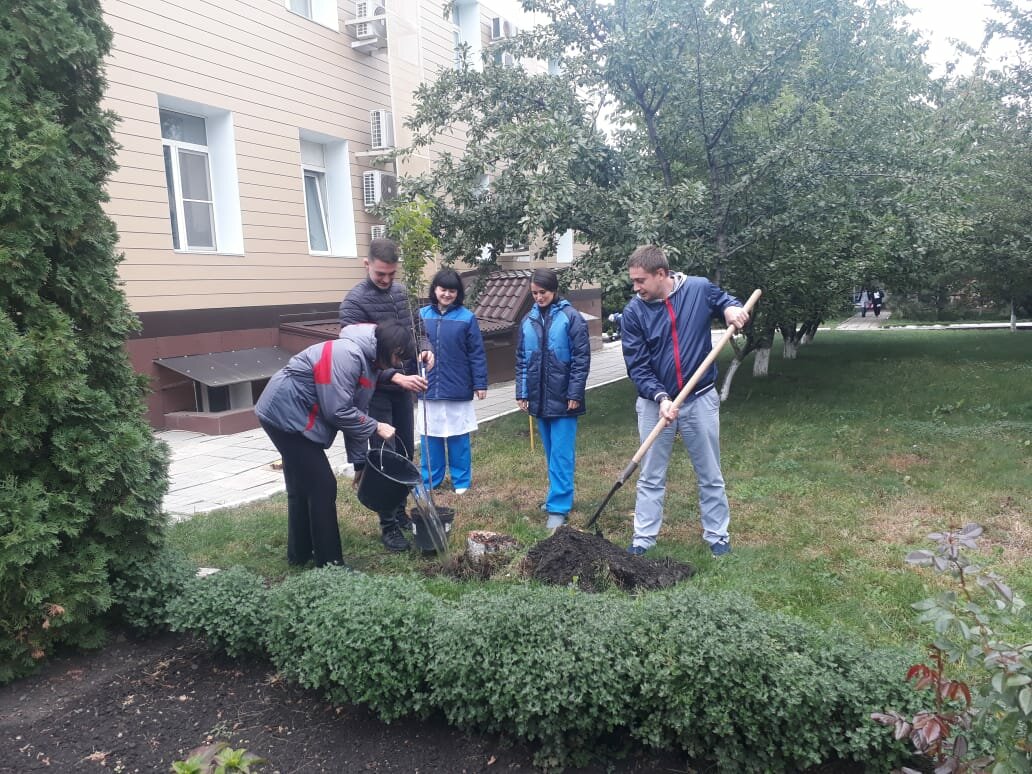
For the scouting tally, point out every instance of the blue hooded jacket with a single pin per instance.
(651, 331)
(461, 365)
(553, 358)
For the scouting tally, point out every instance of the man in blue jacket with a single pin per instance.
(666, 335)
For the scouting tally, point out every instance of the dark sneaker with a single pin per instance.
(394, 541)
(404, 522)
(637, 550)
(721, 549)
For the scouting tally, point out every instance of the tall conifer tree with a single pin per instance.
(81, 475)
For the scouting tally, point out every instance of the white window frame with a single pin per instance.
(338, 206)
(222, 172)
(175, 146)
(319, 175)
(322, 12)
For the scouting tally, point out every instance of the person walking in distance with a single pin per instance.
(666, 336)
(446, 417)
(877, 298)
(379, 299)
(553, 358)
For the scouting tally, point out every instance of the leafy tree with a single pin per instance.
(763, 143)
(81, 475)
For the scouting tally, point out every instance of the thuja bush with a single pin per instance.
(81, 476)
(229, 609)
(359, 638)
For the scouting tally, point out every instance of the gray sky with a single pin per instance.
(940, 20)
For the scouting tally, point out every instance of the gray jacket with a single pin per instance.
(326, 388)
(366, 303)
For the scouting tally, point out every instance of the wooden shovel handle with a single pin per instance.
(682, 396)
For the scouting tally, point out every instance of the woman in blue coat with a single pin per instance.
(445, 416)
(552, 362)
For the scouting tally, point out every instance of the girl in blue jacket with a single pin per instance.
(445, 417)
(552, 362)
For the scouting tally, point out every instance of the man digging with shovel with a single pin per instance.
(666, 336)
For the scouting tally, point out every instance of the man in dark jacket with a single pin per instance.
(666, 335)
(377, 299)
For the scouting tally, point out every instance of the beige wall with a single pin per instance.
(277, 73)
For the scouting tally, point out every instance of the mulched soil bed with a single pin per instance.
(594, 564)
(137, 706)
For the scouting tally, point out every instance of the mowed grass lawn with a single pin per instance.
(836, 464)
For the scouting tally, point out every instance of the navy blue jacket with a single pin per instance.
(460, 365)
(650, 329)
(553, 358)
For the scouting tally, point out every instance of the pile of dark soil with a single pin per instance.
(594, 564)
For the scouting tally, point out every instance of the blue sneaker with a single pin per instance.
(721, 549)
(637, 550)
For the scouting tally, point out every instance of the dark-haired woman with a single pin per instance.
(322, 390)
(552, 362)
(445, 416)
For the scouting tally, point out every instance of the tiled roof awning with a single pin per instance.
(220, 368)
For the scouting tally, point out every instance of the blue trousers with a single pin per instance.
(559, 440)
(451, 452)
(699, 424)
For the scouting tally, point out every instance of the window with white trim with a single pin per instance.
(326, 182)
(191, 201)
(314, 174)
(199, 156)
(322, 12)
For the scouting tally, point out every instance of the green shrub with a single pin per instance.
(229, 609)
(710, 676)
(81, 474)
(358, 638)
(144, 590)
(753, 691)
(549, 666)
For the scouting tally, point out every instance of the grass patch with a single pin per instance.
(837, 464)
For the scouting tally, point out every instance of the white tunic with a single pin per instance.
(445, 418)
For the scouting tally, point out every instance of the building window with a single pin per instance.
(326, 183)
(322, 12)
(466, 33)
(191, 204)
(200, 177)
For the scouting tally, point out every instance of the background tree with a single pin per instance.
(760, 142)
(81, 475)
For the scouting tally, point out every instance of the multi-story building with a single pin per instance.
(249, 138)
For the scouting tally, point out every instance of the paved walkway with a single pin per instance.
(868, 323)
(208, 472)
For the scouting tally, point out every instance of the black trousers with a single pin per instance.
(311, 499)
(396, 408)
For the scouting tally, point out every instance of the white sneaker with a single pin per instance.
(461, 490)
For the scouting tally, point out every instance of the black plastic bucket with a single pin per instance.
(422, 532)
(386, 480)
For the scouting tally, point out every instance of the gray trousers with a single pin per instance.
(699, 424)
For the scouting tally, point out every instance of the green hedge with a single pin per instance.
(573, 674)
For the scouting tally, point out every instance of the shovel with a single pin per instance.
(682, 396)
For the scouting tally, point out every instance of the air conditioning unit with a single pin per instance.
(378, 232)
(374, 28)
(509, 30)
(381, 129)
(377, 187)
